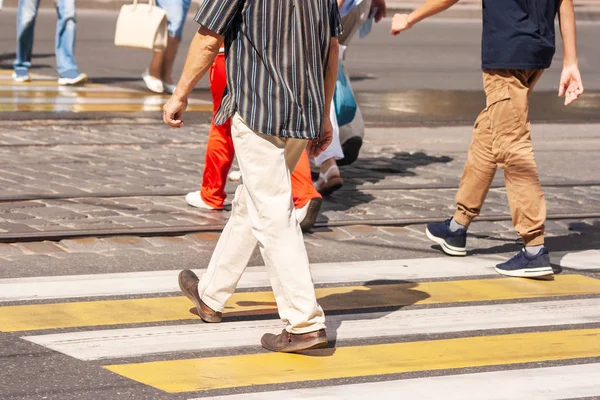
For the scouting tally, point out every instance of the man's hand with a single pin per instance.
(381, 9)
(570, 83)
(173, 110)
(317, 146)
(400, 23)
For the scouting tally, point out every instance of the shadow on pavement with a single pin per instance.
(583, 237)
(373, 170)
(373, 300)
(379, 296)
(6, 60)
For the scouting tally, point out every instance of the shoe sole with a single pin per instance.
(527, 272)
(311, 216)
(73, 83)
(350, 148)
(315, 345)
(206, 318)
(202, 206)
(332, 185)
(446, 248)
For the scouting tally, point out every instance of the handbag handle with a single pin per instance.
(152, 3)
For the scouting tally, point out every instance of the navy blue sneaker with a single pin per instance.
(453, 243)
(526, 266)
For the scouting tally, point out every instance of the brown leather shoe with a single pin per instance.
(188, 283)
(287, 342)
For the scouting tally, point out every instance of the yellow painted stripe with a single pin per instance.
(43, 82)
(94, 108)
(117, 94)
(346, 362)
(114, 312)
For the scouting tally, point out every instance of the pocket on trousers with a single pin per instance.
(502, 112)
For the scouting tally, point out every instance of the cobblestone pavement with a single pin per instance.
(121, 176)
(352, 243)
(131, 174)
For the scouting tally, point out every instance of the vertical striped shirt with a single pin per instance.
(277, 53)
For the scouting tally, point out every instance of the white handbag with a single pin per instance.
(143, 26)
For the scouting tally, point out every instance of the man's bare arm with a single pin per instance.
(201, 54)
(316, 147)
(402, 22)
(570, 79)
(331, 73)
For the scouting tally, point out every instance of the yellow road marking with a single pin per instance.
(117, 94)
(344, 362)
(115, 312)
(94, 107)
(45, 82)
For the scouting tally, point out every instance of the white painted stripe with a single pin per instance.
(583, 260)
(573, 381)
(74, 286)
(122, 343)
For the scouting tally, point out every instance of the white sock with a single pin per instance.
(454, 226)
(534, 250)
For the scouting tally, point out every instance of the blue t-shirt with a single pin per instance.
(518, 34)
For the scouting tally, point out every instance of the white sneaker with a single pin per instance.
(301, 213)
(195, 200)
(307, 215)
(235, 176)
(169, 87)
(21, 78)
(78, 80)
(152, 83)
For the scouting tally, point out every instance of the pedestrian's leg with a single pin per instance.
(231, 255)
(219, 149)
(307, 200)
(26, 15)
(513, 148)
(176, 15)
(65, 39)
(303, 189)
(218, 160)
(274, 224)
(478, 172)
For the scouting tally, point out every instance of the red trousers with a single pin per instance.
(220, 152)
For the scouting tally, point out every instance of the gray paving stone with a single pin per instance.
(8, 250)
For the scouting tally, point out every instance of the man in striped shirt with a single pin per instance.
(281, 60)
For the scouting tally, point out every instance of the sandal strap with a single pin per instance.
(324, 176)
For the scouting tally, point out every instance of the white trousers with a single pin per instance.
(263, 213)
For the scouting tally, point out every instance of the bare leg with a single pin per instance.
(156, 64)
(166, 71)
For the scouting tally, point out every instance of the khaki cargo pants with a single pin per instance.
(501, 138)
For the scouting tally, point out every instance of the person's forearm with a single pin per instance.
(566, 17)
(331, 74)
(203, 50)
(431, 7)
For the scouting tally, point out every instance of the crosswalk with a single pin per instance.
(43, 94)
(419, 329)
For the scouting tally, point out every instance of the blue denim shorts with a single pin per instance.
(176, 14)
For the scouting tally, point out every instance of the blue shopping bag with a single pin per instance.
(343, 98)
